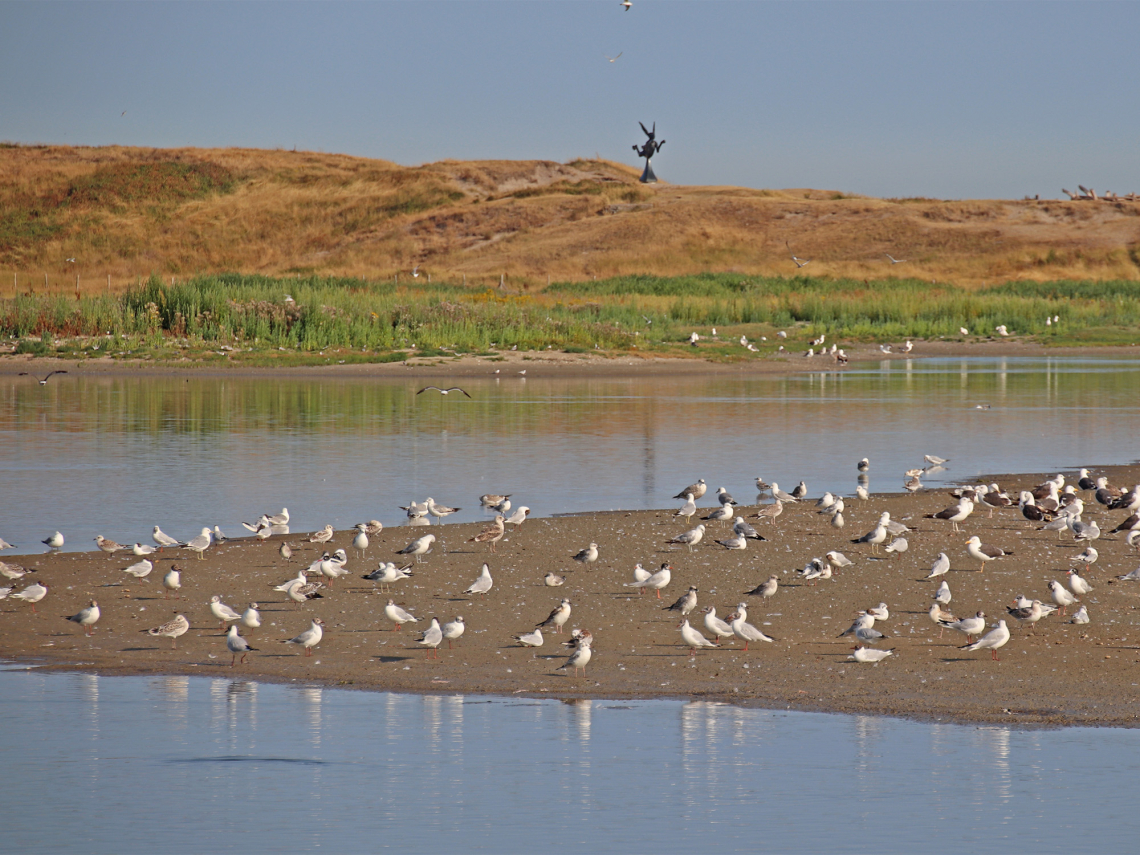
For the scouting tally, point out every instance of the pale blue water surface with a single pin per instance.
(192, 764)
(115, 455)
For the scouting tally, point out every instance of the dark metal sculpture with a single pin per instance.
(647, 151)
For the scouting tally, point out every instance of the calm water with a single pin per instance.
(114, 456)
(179, 764)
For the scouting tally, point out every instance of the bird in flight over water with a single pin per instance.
(442, 391)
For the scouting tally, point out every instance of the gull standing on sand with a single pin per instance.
(697, 490)
(777, 493)
(553, 580)
(1082, 616)
(53, 541)
(310, 638)
(897, 546)
(86, 618)
(588, 555)
(108, 546)
(483, 584)
(956, 514)
(453, 630)
(1062, 597)
(581, 656)
(721, 514)
(874, 537)
(322, 536)
(984, 553)
(867, 654)
(1028, 614)
(360, 539)
(387, 573)
(419, 546)
(943, 595)
(140, 570)
(431, 638)
(518, 517)
(838, 559)
(767, 589)
(719, 628)
(285, 550)
(1088, 557)
(690, 538)
(492, 534)
(686, 603)
(735, 541)
(941, 618)
(142, 551)
(991, 641)
(200, 543)
(770, 512)
(1078, 584)
(31, 594)
(172, 629)
(744, 630)
(743, 529)
(657, 580)
(251, 617)
(969, 626)
(222, 612)
(640, 574)
(692, 638)
(398, 616)
(440, 511)
(237, 646)
(941, 565)
(688, 509)
(558, 617)
(530, 639)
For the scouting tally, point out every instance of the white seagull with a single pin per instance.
(237, 646)
(310, 638)
(140, 570)
(87, 617)
(172, 629)
(398, 616)
(692, 638)
(690, 538)
(483, 584)
(419, 546)
(991, 641)
(222, 612)
(163, 539)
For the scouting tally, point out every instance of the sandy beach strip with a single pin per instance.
(1058, 673)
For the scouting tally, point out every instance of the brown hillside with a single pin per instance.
(127, 212)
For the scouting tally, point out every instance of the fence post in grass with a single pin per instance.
(45, 284)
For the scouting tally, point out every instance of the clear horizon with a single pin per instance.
(889, 99)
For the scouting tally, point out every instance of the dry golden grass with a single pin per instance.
(129, 212)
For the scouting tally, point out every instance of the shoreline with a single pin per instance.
(560, 364)
(1061, 674)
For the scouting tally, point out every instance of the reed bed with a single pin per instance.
(644, 312)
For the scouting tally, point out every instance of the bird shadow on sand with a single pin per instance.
(949, 659)
(391, 660)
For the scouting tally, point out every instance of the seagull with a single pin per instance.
(800, 262)
(398, 616)
(172, 629)
(588, 555)
(626, 4)
(580, 657)
(140, 570)
(1084, 531)
(956, 514)
(862, 621)
(688, 509)
(838, 559)
(867, 654)
(439, 511)
(518, 517)
(490, 500)
(502, 507)
(200, 543)
(963, 331)
(1078, 584)
(453, 630)
(724, 497)
(721, 514)
(443, 391)
(558, 617)
(322, 536)
(777, 493)
(42, 382)
(530, 639)
(238, 645)
(55, 541)
(868, 634)
(614, 58)
(360, 539)
(767, 589)
(222, 612)
(943, 619)
(142, 550)
(108, 546)
(5, 545)
(419, 546)
(969, 627)
(992, 640)
(894, 260)
(743, 529)
(897, 546)
(431, 637)
(1082, 616)
(657, 580)
(692, 638)
(698, 489)
(737, 541)
(251, 617)
(1029, 614)
(31, 594)
(935, 460)
(880, 612)
(310, 638)
(770, 512)
(941, 565)
(492, 534)
(1134, 576)
(744, 630)
(719, 628)
(163, 539)
(12, 571)
(483, 584)
(1062, 597)
(553, 580)
(984, 553)
(87, 617)
(416, 271)
(874, 537)
(388, 572)
(943, 595)
(686, 603)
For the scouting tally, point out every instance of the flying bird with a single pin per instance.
(894, 260)
(42, 382)
(613, 58)
(442, 391)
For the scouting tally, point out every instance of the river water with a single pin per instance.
(191, 764)
(116, 455)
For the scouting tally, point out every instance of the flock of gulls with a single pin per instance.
(1055, 508)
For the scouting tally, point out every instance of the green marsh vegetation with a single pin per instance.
(268, 319)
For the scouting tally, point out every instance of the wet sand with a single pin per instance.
(1058, 674)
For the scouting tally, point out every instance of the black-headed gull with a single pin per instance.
(558, 617)
(1078, 584)
(398, 615)
(656, 581)
(719, 628)
(867, 654)
(87, 617)
(692, 638)
(686, 603)
(943, 595)
(251, 617)
(1061, 596)
(969, 626)
(163, 539)
(431, 638)
(223, 613)
(140, 570)
(310, 638)
(530, 639)
(690, 538)
(419, 546)
(237, 645)
(992, 641)
(31, 594)
(766, 589)
(172, 629)
(744, 630)
(482, 584)
(941, 565)
(452, 630)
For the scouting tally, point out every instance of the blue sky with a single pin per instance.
(943, 99)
